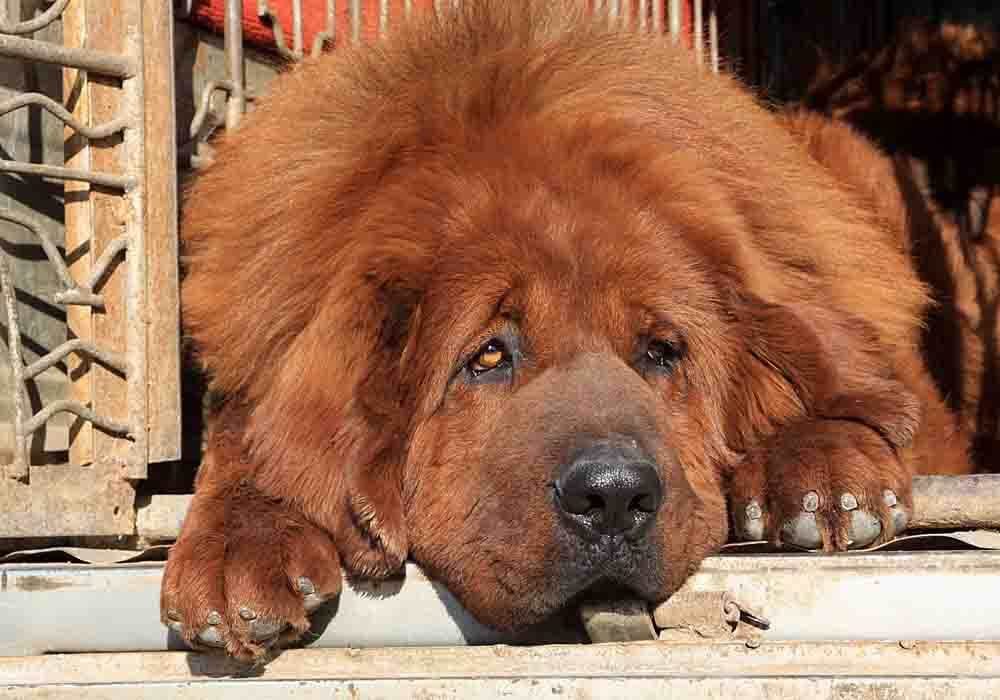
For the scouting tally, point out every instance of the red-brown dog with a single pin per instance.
(535, 302)
(931, 99)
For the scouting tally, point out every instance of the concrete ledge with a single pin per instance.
(932, 670)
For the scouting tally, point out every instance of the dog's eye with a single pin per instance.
(492, 356)
(663, 353)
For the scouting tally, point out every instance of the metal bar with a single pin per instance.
(383, 18)
(356, 21)
(863, 596)
(939, 502)
(19, 468)
(137, 459)
(73, 616)
(268, 17)
(59, 112)
(198, 121)
(713, 35)
(925, 596)
(675, 20)
(699, 33)
(84, 347)
(329, 34)
(48, 247)
(79, 297)
(942, 502)
(35, 24)
(236, 99)
(103, 264)
(297, 40)
(78, 409)
(44, 52)
(117, 182)
(184, 8)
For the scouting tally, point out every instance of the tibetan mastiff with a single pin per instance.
(531, 299)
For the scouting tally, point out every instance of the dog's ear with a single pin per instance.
(329, 431)
(807, 361)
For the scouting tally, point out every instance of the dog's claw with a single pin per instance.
(848, 501)
(753, 523)
(864, 529)
(802, 531)
(810, 502)
(310, 598)
(263, 630)
(211, 637)
(214, 618)
(900, 519)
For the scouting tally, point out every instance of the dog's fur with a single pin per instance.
(514, 170)
(930, 98)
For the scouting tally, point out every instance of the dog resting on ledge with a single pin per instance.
(533, 301)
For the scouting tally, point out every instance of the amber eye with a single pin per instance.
(663, 353)
(491, 356)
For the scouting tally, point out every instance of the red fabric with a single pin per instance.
(211, 14)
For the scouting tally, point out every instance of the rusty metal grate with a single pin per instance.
(114, 279)
(131, 364)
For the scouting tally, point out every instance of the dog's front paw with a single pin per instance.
(246, 573)
(822, 484)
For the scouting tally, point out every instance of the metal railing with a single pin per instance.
(128, 184)
(647, 15)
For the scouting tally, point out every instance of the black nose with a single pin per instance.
(610, 490)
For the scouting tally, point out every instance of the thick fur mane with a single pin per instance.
(316, 267)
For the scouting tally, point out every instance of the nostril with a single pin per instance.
(644, 503)
(595, 502)
(577, 502)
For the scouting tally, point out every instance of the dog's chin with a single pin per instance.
(520, 610)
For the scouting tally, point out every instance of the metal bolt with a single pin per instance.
(753, 643)
(214, 618)
(248, 614)
(848, 501)
(753, 510)
(889, 498)
(810, 502)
